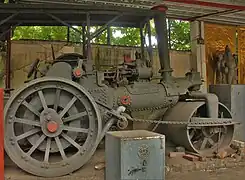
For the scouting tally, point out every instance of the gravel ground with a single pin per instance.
(230, 171)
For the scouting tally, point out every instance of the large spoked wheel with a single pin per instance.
(52, 127)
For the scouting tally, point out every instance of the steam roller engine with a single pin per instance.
(53, 124)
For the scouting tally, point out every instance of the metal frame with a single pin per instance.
(40, 15)
(13, 15)
(213, 11)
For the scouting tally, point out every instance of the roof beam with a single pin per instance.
(241, 6)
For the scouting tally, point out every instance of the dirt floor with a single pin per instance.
(184, 170)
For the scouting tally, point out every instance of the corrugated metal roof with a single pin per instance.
(230, 12)
(44, 14)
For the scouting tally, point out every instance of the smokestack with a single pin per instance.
(162, 39)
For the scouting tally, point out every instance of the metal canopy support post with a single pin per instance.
(149, 49)
(1, 133)
(142, 41)
(8, 64)
(108, 35)
(198, 51)
(68, 34)
(84, 41)
(89, 67)
(62, 22)
(169, 34)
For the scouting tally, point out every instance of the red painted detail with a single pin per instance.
(127, 59)
(160, 8)
(52, 126)
(125, 100)
(209, 4)
(77, 72)
(1, 135)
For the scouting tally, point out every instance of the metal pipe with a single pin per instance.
(8, 63)
(212, 102)
(142, 41)
(162, 39)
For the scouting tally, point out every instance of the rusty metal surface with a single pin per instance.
(241, 56)
(216, 38)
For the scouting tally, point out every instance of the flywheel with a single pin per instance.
(52, 126)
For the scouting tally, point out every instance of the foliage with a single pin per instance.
(179, 34)
(40, 32)
(126, 36)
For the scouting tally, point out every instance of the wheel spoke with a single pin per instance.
(57, 99)
(192, 134)
(204, 143)
(46, 157)
(39, 141)
(31, 108)
(70, 140)
(74, 129)
(42, 98)
(211, 141)
(28, 133)
(28, 122)
(59, 145)
(68, 106)
(75, 117)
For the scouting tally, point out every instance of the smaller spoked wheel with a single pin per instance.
(208, 139)
(52, 127)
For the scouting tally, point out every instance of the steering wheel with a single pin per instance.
(33, 68)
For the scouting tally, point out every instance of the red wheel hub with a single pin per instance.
(52, 126)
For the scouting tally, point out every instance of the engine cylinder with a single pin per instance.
(143, 96)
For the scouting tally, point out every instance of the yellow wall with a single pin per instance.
(241, 55)
(216, 38)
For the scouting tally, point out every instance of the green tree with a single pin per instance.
(126, 36)
(179, 35)
(40, 32)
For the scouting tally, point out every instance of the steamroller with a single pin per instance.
(54, 123)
